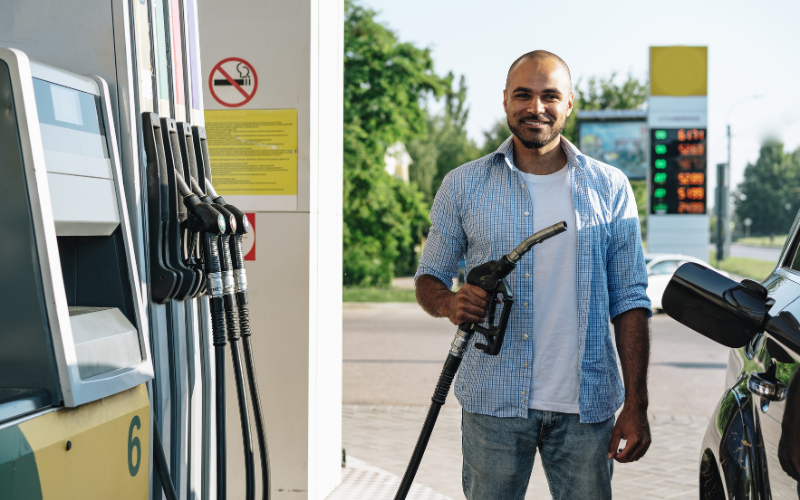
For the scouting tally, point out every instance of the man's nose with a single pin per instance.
(536, 106)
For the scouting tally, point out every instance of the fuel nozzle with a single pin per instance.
(243, 224)
(535, 239)
(490, 276)
(202, 216)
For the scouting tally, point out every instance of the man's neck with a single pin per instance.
(543, 161)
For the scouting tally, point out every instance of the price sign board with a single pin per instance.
(678, 171)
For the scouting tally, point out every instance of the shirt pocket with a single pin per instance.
(482, 230)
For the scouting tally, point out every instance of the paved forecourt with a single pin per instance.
(392, 358)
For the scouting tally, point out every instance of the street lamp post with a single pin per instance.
(728, 207)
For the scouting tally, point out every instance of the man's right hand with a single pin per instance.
(468, 305)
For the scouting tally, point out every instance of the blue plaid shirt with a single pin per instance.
(482, 211)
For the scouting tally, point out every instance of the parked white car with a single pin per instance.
(660, 268)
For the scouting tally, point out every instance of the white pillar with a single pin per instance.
(296, 49)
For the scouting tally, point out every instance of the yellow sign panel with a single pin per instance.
(678, 71)
(253, 152)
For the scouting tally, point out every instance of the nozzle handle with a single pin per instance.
(535, 239)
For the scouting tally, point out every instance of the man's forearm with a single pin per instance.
(432, 295)
(632, 333)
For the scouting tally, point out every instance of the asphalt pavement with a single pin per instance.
(770, 254)
(393, 355)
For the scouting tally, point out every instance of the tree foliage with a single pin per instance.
(386, 84)
(770, 192)
(445, 144)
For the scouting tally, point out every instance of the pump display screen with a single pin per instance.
(678, 171)
(69, 121)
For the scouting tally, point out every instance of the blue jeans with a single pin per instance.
(499, 452)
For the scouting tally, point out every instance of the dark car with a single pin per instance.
(751, 449)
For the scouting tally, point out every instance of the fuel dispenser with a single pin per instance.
(75, 344)
(85, 343)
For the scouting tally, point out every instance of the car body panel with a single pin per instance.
(660, 268)
(745, 430)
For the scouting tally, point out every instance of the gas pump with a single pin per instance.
(76, 353)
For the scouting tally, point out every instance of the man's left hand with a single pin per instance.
(632, 426)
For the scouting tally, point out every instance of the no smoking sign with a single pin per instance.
(233, 82)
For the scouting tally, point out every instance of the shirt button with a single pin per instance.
(525, 336)
(525, 304)
(523, 185)
(525, 365)
(527, 275)
(527, 214)
(523, 393)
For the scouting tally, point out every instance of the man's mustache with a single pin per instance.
(540, 118)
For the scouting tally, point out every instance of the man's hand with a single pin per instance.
(632, 332)
(467, 305)
(632, 426)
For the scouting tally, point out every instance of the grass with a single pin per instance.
(372, 294)
(764, 241)
(748, 268)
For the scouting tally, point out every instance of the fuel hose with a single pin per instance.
(491, 278)
(240, 279)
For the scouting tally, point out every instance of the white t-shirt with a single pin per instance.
(556, 368)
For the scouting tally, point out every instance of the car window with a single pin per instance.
(795, 263)
(664, 267)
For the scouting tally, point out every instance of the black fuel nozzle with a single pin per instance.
(491, 277)
(243, 224)
(204, 218)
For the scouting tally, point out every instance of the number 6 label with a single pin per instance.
(133, 442)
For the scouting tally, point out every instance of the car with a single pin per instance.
(751, 447)
(660, 267)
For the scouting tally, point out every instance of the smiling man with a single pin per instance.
(555, 386)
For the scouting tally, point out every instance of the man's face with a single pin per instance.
(538, 100)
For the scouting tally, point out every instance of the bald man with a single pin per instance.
(555, 386)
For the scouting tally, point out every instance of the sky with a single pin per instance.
(753, 49)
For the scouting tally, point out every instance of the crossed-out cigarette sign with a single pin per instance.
(233, 82)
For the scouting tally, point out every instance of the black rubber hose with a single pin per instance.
(161, 464)
(439, 396)
(218, 333)
(255, 398)
(244, 417)
(222, 488)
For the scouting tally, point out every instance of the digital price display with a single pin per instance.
(678, 171)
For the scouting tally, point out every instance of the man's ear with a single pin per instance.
(571, 104)
(505, 100)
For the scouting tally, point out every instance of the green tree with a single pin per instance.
(445, 145)
(770, 192)
(495, 136)
(386, 84)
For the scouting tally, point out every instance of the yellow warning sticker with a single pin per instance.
(253, 151)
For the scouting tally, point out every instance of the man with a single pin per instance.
(555, 385)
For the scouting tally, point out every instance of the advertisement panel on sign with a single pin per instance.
(622, 144)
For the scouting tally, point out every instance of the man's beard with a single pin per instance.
(536, 144)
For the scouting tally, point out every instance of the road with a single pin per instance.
(393, 355)
(770, 254)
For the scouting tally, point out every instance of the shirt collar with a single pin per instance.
(574, 156)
